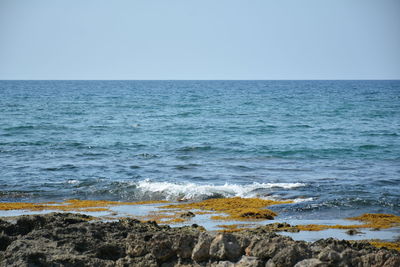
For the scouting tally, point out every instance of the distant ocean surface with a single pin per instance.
(331, 146)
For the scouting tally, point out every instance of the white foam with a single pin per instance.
(72, 181)
(173, 191)
(299, 200)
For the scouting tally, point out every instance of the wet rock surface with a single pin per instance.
(63, 239)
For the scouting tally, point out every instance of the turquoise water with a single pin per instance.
(332, 146)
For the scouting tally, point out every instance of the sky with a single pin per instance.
(199, 39)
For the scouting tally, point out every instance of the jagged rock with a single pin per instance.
(379, 259)
(184, 245)
(201, 251)
(161, 248)
(265, 248)
(291, 254)
(136, 248)
(225, 247)
(328, 255)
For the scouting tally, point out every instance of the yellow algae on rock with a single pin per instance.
(21, 206)
(311, 227)
(166, 217)
(229, 228)
(388, 245)
(371, 220)
(71, 205)
(320, 227)
(175, 220)
(236, 208)
(257, 214)
(378, 220)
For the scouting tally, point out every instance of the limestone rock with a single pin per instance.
(201, 251)
(225, 247)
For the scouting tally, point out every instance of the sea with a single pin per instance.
(332, 147)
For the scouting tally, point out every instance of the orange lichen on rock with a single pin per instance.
(236, 208)
(71, 205)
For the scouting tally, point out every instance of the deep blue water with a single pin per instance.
(333, 146)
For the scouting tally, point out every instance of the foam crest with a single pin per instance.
(173, 191)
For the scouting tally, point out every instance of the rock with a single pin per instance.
(201, 251)
(225, 247)
(62, 239)
(279, 227)
(348, 254)
(264, 248)
(379, 259)
(311, 263)
(5, 240)
(392, 262)
(137, 248)
(244, 242)
(110, 252)
(248, 261)
(353, 232)
(290, 255)
(328, 255)
(187, 215)
(161, 248)
(270, 263)
(137, 262)
(222, 264)
(184, 245)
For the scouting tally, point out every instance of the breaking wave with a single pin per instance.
(174, 191)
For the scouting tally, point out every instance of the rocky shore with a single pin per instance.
(65, 239)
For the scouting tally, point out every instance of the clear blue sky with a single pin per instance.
(199, 39)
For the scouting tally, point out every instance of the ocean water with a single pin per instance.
(331, 146)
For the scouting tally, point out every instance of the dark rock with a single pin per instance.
(110, 252)
(5, 240)
(187, 215)
(162, 250)
(184, 245)
(353, 232)
(62, 239)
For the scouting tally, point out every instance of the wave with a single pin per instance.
(192, 191)
(194, 148)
